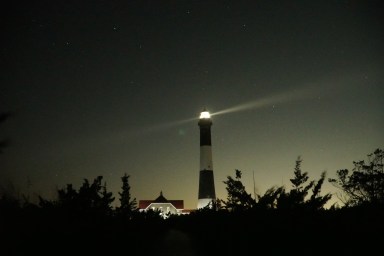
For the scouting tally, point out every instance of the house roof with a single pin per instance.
(144, 203)
(161, 198)
(178, 204)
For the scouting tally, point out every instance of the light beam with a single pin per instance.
(270, 101)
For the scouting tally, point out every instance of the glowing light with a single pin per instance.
(205, 115)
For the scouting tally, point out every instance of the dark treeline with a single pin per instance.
(281, 221)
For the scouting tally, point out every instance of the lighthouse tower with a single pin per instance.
(206, 181)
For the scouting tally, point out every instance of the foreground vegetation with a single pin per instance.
(280, 221)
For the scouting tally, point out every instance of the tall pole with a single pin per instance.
(254, 186)
(206, 180)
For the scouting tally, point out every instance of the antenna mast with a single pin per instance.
(254, 187)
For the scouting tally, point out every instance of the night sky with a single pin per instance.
(113, 87)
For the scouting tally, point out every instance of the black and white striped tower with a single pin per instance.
(206, 181)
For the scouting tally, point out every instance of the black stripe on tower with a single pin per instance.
(205, 132)
(206, 187)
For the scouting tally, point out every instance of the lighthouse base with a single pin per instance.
(204, 203)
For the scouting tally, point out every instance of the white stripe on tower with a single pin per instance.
(206, 180)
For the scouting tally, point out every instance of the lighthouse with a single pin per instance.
(206, 181)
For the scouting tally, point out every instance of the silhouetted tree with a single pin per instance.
(238, 198)
(4, 142)
(67, 198)
(87, 196)
(277, 197)
(296, 197)
(90, 199)
(365, 184)
(270, 198)
(8, 202)
(297, 194)
(106, 200)
(127, 205)
(217, 204)
(317, 202)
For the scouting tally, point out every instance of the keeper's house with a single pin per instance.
(163, 205)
